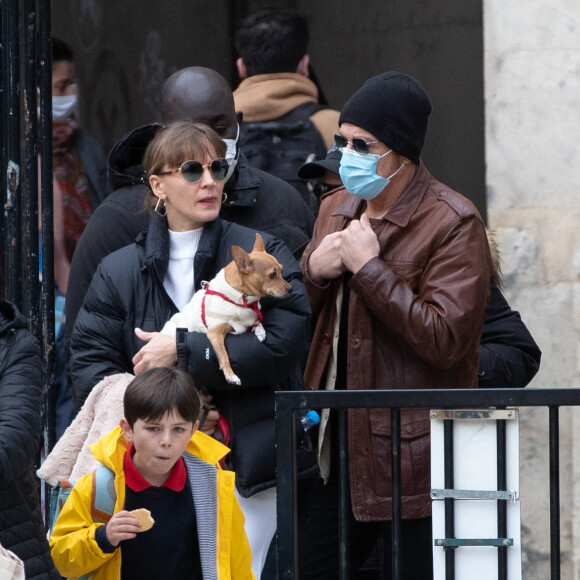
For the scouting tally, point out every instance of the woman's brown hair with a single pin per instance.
(179, 142)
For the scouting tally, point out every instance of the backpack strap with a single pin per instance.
(104, 495)
(302, 112)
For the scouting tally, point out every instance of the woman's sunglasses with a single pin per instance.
(358, 143)
(193, 170)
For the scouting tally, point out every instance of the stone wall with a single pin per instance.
(532, 83)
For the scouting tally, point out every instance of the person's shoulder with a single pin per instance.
(274, 187)
(124, 260)
(455, 201)
(245, 237)
(326, 123)
(129, 199)
(10, 317)
(83, 135)
(233, 233)
(334, 199)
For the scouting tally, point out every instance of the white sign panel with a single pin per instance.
(475, 469)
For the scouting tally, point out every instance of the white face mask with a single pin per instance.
(232, 146)
(63, 107)
(232, 152)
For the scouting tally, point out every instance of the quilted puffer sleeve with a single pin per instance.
(287, 323)
(20, 403)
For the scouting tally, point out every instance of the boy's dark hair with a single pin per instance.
(61, 50)
(158, 391)
(272, 40)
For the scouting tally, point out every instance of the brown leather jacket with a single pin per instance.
(415, 319)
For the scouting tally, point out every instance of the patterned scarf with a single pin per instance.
(70, 174)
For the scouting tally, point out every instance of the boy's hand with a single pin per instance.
(122, 526)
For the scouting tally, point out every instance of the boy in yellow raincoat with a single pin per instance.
(161, 463)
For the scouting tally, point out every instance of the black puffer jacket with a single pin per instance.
(21, 527)
(127, 292)
(256, 200)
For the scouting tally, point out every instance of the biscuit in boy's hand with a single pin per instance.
(144, 517)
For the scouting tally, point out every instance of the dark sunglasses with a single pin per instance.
(358, 143)
(193, 170)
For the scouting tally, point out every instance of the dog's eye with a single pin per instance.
(272, 275)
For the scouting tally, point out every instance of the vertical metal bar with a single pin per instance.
(3, 120)
(554, 493)
(344, 491)
(286, 535)
(47, 288)
(449, 505)
(501, 505)
(397, 510)
(11, 64)
(31, 301)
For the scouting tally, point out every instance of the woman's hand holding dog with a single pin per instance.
(160, 351)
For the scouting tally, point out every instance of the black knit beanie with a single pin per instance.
(393, 107)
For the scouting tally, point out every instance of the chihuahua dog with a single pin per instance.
(230, 302)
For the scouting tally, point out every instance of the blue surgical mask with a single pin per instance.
(232, 152)
(359, 173)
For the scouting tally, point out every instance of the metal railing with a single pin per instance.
(25, 85)
(287, 402)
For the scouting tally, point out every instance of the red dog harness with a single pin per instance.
(245, 304)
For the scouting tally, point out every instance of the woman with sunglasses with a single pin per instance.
(138, 288)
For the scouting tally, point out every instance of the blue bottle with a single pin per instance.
(310, 420)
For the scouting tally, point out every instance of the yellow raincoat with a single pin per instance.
(75, 551)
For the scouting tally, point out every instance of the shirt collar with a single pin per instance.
(134, 479)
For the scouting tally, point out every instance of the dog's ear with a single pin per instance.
(259, 244)
(242, 259)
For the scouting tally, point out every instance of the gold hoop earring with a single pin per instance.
(156, 210)
(224, 197)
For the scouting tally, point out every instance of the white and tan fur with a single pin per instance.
(247, 278)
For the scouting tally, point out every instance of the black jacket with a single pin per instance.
(255, 199)
(127, 292)
(508, 355)
(21, 526)
(95, 164)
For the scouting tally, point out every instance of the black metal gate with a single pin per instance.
(26, 120)
(288, 402)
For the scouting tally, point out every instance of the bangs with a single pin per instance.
(189, 151)
(181, 142)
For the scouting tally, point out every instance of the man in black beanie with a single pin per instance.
(398, 272)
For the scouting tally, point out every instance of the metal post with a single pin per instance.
(449, 505)
(554, 492)
(11, 65)
(397, 510)
(29, 227)
(344, 491)
(501, 505)
(3, 118)
(286, 534)
(47, 289)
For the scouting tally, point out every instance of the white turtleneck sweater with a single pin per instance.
(179, 279)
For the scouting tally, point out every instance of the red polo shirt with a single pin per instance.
(134, 479)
